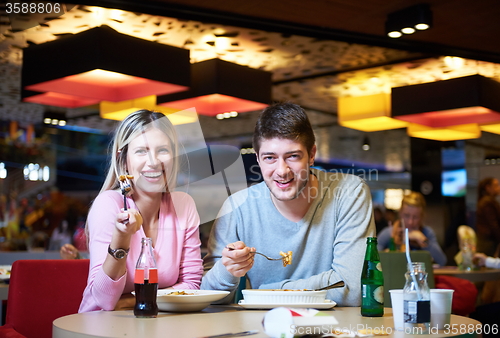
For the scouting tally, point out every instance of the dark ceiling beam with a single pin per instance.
(205, 15)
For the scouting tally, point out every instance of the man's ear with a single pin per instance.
(312, 155)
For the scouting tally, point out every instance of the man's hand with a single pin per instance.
(418, 238)
(238, 258)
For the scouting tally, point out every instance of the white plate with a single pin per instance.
(279, 296)
(327, 304)
(199, 300)
(5, 271)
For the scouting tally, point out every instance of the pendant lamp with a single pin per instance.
(101, 64)
(465, 100)
(219, 86)
(452, 133)
(119, 110)
(368, 113)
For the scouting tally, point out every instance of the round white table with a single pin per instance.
(217, 320)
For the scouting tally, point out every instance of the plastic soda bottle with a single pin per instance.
(146, 282)
(372, 282)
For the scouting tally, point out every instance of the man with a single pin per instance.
(323, 218)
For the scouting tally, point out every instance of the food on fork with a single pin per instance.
(287, 257)
(125, 183)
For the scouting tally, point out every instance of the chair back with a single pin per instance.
(41, 291)
(394, 267)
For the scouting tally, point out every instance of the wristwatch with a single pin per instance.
(118, 253)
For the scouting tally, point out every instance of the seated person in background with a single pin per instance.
(145, 149)
(323, 218)
(411, 216)
(488, 216)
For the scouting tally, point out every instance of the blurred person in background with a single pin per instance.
(488, 216)
(421, 237)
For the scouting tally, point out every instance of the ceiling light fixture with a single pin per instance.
(101, 64)
(408, 20)
(368, 113)
(120, 110)
(464, 100)
(219, 86)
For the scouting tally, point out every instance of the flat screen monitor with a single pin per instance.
(454, 182)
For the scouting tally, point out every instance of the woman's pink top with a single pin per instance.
(177, 249)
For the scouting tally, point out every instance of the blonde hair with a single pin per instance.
(414, 199)
(131, 127)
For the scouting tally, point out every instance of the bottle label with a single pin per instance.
(140, 277)
(417, 311)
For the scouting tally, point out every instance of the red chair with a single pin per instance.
(41, 291)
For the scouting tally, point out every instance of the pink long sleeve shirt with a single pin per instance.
(177, 249)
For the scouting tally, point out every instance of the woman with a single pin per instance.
(488, 216)
(411, 216)
(144, 148)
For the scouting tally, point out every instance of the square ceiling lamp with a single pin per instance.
(368, 113)
(219, 87)
(453, 133)
(408, 20)
(491, 128)
(119, 110)
(465, 100)
(101, 64)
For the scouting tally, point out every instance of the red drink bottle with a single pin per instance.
(146, 282)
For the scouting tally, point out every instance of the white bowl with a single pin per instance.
(266, 296)
(196, 300)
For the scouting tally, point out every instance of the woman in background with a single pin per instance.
(421, 237)
(488, 216)
(145, 149)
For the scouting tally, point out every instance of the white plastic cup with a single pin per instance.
(441, 300)
(397, 308)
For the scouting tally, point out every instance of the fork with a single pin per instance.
(258, 253)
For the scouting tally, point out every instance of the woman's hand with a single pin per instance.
(126, 302)
(239, 259)
(129, 221)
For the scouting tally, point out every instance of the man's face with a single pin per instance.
(285, 167)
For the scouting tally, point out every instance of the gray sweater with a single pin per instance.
(328, 244)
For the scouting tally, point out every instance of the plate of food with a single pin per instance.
(326, 304)
(283, 296)
(5, 272)
(171, 300)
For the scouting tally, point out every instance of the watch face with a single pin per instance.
(120, 253)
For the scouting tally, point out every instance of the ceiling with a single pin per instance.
(461, 27)
(316, 50)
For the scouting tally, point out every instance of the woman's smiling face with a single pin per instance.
(149, 160)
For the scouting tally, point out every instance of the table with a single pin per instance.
(481, 275)
(214, 320)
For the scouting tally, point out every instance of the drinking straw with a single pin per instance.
(410, 264)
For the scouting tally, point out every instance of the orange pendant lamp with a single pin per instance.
(471, 99)
(101, 64)
(219, 86)
(368, 113)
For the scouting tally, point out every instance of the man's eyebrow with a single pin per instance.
(298, 151)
